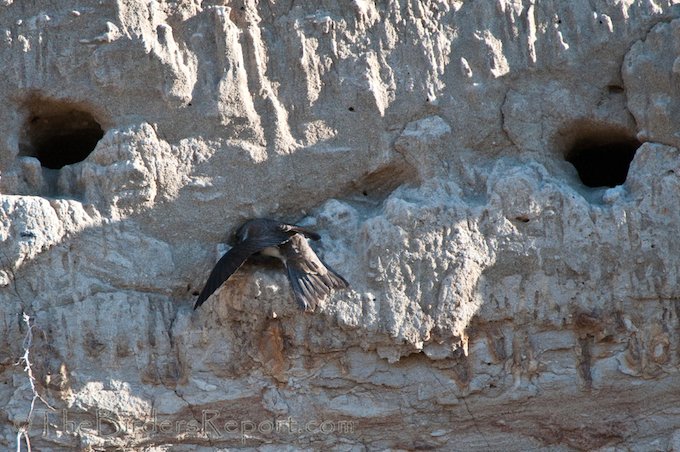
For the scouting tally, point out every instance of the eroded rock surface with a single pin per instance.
(498, 181)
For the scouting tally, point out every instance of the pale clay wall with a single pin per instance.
(497, 303)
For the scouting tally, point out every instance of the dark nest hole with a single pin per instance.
(58, 134)
(603, 160)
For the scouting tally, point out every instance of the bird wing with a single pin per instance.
(232, 260)
(290, 229)
(310, 278)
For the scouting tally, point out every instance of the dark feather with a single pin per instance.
(310, 278)
(291, 228)
(231, 262)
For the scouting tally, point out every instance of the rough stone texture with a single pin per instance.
(497, 303)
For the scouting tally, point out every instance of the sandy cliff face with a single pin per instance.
(499, 182)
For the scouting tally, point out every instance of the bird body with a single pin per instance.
(310, 278)
(274, 251)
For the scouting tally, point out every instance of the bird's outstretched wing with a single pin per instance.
(292, 229)
(310, 288)
(233, 259)
(310, 278)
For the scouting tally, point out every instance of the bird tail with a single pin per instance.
(310, 288)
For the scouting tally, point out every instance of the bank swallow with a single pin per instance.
(310, 278)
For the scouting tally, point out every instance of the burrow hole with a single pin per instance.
(58, 134)
(602, 157)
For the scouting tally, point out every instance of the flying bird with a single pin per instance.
(310, 278)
